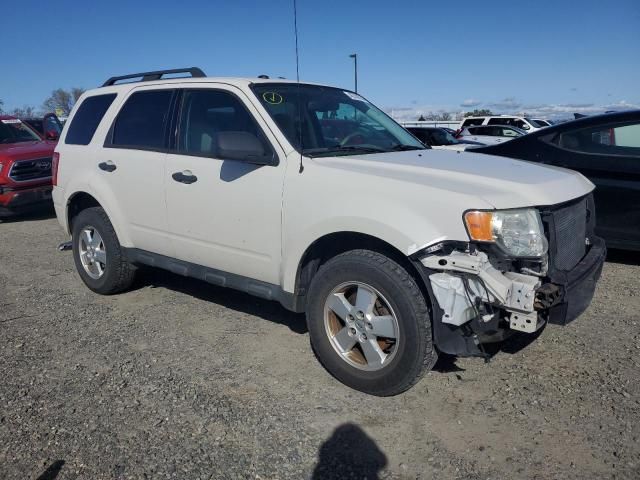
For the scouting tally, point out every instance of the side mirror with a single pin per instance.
(243, 146)
(51, 135)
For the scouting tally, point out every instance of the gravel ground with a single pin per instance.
(179, 379)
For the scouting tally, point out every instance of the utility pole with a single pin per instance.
(355, 69)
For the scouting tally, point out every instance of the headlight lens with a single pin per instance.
(517, 232)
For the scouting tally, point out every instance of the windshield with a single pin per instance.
(332, 121)
(442, 137)
(535, 123)
(13, 130)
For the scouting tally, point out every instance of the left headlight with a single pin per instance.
(518, 232)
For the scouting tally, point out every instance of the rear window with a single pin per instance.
(142, 122)
(87, 118)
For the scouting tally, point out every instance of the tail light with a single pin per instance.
(54, 168)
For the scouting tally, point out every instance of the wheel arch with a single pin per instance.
(81, 200)
(332, 244)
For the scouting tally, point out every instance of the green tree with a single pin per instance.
(62, 99)
(479, 113)
(1, 104)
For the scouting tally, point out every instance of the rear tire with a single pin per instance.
(369, 323)
(98, 255)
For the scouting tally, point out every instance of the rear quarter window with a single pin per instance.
(87, 118)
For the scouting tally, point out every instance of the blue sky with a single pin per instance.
(544, 57)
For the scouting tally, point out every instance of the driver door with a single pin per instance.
(223, 214)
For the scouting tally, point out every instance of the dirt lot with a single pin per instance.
(179, 379)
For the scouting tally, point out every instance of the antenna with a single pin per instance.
(295, 28)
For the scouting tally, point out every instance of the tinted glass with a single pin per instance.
(36, 124)
(142, 121)
(324, 121)
(500, 121)
(205, 114)
(472, 121)
(420, 133)
(13, 130)
(612, 139)
(87, 118)
(51, 124)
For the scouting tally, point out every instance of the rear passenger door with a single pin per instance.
(133, 165)
(224, 213)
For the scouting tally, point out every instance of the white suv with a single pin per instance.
(311, 196)
(527, 124)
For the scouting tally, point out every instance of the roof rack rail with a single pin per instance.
(157, 75)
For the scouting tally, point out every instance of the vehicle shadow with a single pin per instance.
(349, 453)
(52, 471)
(447, 364)
(228, 298)
(44, 213)
(626, 257)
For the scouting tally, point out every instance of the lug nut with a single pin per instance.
(352, 331)
(363, 337)
(360, 314)
(369, 325)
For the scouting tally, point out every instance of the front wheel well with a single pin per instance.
(334, 244)
(77, 203)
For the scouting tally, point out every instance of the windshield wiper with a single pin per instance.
(401, 148)
(343, 148)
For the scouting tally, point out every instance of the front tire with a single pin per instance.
(98, 255)
(369, 323)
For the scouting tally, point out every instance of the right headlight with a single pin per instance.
(518, 232)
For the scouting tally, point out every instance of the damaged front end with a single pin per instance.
(481, 294)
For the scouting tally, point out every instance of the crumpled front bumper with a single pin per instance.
(578, 284)
(575, 289)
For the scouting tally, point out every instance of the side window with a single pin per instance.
(51, 123)
(87, 118)
(472, 121)
(142, 121)
(215, 123)
(508, 132)
(520, 124)
(614, 139)
(420, 134)
(500, 121)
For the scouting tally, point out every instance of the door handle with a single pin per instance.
(107, 166)
(185, 177)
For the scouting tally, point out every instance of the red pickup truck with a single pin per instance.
(25, 167)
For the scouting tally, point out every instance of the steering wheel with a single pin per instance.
(355, 138)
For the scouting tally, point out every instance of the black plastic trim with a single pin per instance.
(213, 276)
(155, 75)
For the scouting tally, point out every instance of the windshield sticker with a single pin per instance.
(11, 120)
(354, 96)
(272, 98)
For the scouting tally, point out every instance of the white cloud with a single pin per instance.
(470, 102)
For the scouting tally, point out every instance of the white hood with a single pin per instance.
(502, 182)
